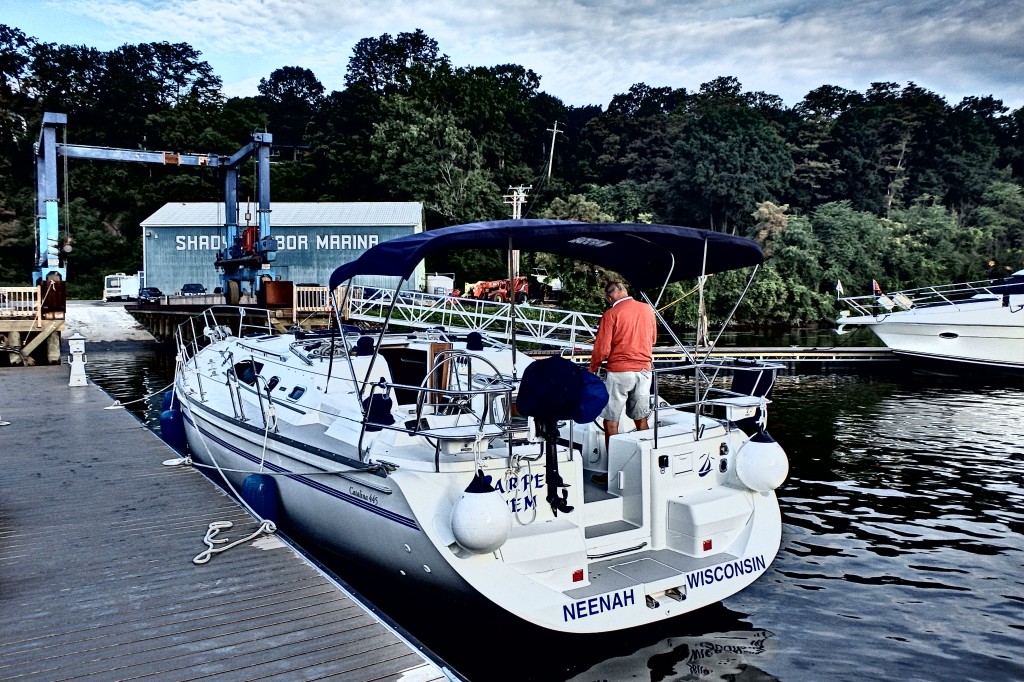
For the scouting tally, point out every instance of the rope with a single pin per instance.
(215, 529)
(119, 405)
(669, 305)
(266, 526)
(514, 469)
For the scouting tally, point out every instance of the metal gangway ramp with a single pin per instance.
(541, 325)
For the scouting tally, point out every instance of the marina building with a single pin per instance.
(180, 241)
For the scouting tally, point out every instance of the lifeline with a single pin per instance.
(725, 571)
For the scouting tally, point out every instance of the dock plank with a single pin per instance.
(97, 582)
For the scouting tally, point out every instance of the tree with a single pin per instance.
(14, 60)
(854, 245)
(727, 159)
(1000, 219)
(291, 96)
(789, 286)
(14, 105)
(384, 64)
(814, 168)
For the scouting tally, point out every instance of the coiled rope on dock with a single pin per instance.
(215, 528)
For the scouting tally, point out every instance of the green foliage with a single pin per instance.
(892, 184)
(1001, 222)
(726, 161)
(582, 283)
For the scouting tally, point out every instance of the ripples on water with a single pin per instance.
(902, 552)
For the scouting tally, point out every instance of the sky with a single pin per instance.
(585, 51)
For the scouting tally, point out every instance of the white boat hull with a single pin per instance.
(980, 332)
(674, 530)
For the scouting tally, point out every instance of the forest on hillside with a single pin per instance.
(893, 184)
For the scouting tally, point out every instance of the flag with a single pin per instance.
(875, 288)
(839, 288)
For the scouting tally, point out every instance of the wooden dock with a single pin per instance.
(97, 581)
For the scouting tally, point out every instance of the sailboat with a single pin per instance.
(451, 463)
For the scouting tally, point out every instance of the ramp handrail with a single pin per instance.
(19, 302)
(418, 310)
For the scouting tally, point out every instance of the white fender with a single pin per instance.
(761, 463)
(481, 522)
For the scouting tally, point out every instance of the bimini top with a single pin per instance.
(645, 255)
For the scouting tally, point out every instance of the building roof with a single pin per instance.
(282, 214)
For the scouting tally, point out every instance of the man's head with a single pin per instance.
(613, 291)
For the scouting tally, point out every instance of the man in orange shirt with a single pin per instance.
(625, 338)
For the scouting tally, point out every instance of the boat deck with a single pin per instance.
(97, 539)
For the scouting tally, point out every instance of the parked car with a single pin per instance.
(193, 289)
(150, 295)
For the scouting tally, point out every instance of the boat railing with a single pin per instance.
(739, 388)
(218, 322)
(922, 297)
(454, 421)
(455, 407)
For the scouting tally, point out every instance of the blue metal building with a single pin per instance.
(180, 241)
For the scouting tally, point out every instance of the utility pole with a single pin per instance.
(517, 198)
(551, 158)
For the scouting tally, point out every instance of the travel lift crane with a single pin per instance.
(247, 253)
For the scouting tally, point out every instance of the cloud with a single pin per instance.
(586, 51)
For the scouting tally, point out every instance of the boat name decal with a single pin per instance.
(519, 484)
(369, 497)
(727, 571)
(598, 605)
(285, 242)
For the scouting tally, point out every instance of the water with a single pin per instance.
(902, 552)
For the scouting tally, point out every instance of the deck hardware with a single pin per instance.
(674, 593)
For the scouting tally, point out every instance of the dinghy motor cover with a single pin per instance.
(553, 389)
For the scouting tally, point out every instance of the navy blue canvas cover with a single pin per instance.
(557, 388)
(645, 255)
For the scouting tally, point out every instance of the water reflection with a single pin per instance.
(734, 655)
(902, 550)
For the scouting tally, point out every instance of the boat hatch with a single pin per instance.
(645, 570)
(248, 370)
(555, 547)
(707, 521)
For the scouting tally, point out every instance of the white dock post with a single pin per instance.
(77, 360)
